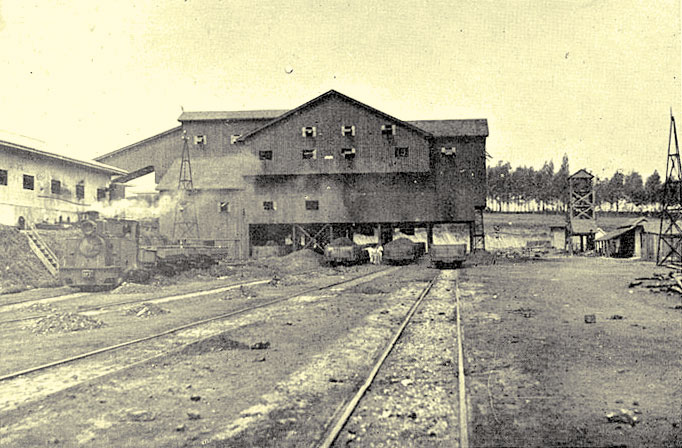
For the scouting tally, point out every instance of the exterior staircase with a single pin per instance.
(41, 249)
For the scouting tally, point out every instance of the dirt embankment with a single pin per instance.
(20, 269)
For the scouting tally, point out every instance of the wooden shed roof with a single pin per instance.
(231, 115)
(454, 128)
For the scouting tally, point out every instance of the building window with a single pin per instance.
(101, 194)
(388, 129)
(269, 205)
(55, 187)
(224, 207)
(80, 191)
(312, 205)
(309, 154)
(234, 138)
(402, 151)
(28, 182)
(199, 139)
(348, 153)
(310, 131)
(3, 177)
(448, 151)
(348, 131)
(265, 155)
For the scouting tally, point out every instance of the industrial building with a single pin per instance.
(330, 167)
(41, 187)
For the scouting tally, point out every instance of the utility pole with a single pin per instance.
(185, 225)
(670, 234)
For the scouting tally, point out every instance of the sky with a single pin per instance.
(595, 80)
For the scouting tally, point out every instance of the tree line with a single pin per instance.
(527, 189)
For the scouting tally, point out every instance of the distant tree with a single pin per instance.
(560, 184)
(633, 189)
(544, 184)
(616, 189)
(653, 188)
(498, 183)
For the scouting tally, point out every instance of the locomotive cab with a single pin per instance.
(102, 255)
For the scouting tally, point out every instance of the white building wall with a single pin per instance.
(40, 204)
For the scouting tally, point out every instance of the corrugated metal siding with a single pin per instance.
(375, 153)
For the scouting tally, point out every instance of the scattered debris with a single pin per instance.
(525, 312)
(181, 428)
(616, 317)
(260, 345)
(63, 322)
(139, 415)
(624, 416)
(195, 398)
(590, 318)
(145, 310)
(41, 307)
(193, 415)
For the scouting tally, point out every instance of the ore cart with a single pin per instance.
(448, 254)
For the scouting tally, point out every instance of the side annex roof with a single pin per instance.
(343, 97)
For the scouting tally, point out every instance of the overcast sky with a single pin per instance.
(593, 79)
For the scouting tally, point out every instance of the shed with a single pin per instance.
(624, 241)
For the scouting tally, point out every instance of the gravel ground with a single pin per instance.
(413, 400)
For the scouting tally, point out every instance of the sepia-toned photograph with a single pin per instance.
(343, 223)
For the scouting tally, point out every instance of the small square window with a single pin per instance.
(348, 131)
(388, 129)
(402, 151)
(312, 205)
(224, 207)
(101, 194)
(55, 187)
(199, 139)
(265, 155)
(309, 154)
(234, 138)
(28, 182)
(3, 177)
(348, 153)
(309, 131)
(448, 151)
(268, 205)
(80, 191)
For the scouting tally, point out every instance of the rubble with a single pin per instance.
(624, 416)
(64, 322)
(590, 318)
(145, 310)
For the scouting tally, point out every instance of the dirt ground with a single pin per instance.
(539, 375)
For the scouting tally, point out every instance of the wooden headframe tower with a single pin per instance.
(670, 234)
(185, 225)
(582, 219)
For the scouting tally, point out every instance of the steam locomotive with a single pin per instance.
(111, 251)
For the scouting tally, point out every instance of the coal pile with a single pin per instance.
(65, 322)
(145, 310)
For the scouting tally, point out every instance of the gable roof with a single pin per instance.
(454, 128)
(326, 95)
(581, 173)
(177, 129)
(92, 165)
(209, 173)
(231, 115)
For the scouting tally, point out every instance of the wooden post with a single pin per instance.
(293, 237)
(429, 236)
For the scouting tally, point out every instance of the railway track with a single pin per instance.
(107, 306)
(344, 413)
(38, 382)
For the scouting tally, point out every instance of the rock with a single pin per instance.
(406, 382)
(623, 416)
(262, 359)
(193, 415)
(261, 345)
(195, 398)
(140, 415)
(181, 428)
(617, 317)
(590, 318)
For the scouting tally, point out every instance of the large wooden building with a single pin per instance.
(330, 167)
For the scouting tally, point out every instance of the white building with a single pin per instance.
(37, 186)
